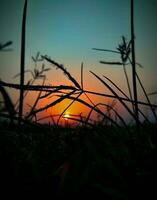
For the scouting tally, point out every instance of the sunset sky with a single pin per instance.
(67, 30)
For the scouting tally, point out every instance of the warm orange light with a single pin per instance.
(66, 116)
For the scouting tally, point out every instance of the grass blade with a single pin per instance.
(73, 80)
(95, 109)
(116, 95)
(133, 62)
(128, 84)
(144, 91)
(2, 46)
(112, 51)
(82, 75)
(116, 86)
(22, 68)
(51, 104)
(110, 107)
(9, 106)
(111, 63)
(68, 107)
(36, 101)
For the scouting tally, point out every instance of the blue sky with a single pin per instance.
(67, 30)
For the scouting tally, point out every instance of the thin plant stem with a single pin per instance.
(68, 107)
(134, 64)
(144, 91)
(128, 84)
(22, 68)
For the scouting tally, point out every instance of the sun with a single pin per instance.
(66, 116)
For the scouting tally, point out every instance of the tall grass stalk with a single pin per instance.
(22, 67)
(36, 101)
(134, 62)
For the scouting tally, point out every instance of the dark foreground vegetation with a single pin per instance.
(110, 159)
(66, 162)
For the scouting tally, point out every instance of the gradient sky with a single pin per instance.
(67, 30)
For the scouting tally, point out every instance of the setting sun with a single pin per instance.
(78, 98)
(66, 116)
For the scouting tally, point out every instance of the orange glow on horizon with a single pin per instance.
(62, 112)
(66, 116)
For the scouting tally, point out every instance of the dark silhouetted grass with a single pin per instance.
(22, 66)
(108, 158)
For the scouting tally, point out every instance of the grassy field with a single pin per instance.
(101, 161)
(109, 159)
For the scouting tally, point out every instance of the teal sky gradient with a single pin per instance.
(67, 30)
